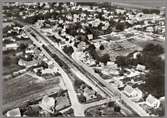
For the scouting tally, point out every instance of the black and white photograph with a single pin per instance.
(87, 59)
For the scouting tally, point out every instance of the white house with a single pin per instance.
(14, 113)
(29, 51)
(11, 46)
(138, 96)
(152, 101)
(89, 94)
(140, 67)
(90, 36)
(129, 91)
(133, 93)
(47, 103)
(150, 29)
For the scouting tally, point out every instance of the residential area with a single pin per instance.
(83, 59)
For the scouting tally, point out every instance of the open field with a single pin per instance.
(25, 87)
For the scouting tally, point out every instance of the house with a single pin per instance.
(50, 64)
(120, 11)
(138, 96)
(29, 51)
(47, 103)
(129, 91)
(90, 36)
(152, 101)
(13, 46)
(149, 29)
(117, 83)
(48, 71)
(89, 93)
(27, 64)
(134, 93)
(14, 113)
(140, 67)
(110, 70)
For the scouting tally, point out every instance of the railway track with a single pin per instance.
(68, 63)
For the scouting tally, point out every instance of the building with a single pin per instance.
(134, 93)
(111, 68)
(152, 101)
(136, 54)
(14, 113)
(140, 67)
(89, 93)
(47, 104)
(90, 36)
(11, 46)
(27, 64)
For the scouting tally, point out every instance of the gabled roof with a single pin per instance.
(128, 89)
(14, 113)
(151, 99)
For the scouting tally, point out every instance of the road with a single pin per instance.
(79, 109)
(68, 83)
(94, 78)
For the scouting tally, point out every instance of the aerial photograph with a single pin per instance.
(89, 59)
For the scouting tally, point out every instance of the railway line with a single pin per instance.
(68, 64)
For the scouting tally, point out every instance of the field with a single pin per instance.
(25, 87)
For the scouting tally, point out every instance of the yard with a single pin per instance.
(103, 110)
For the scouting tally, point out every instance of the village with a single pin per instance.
(124, 46)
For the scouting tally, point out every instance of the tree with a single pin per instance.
(22, 47)
(31, 112)
(105, 58)
(39, 72)
(6, 61)
(78, 83)
(101, 47)
(117, 109)
(82, 98)
(44, 64)
(120, 26)
(68, 50)
(155, 83)
(151, 49)
(111, 104)
(120, 61)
